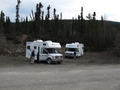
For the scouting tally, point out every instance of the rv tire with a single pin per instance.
(58, 62)
(66, 57)
(49, 61)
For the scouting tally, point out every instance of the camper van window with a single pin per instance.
(70, 49)
(44, 44)
(38, 48)
(82, 47)
(51, 50)
(43, 51)
(28, 47)
(35, 47)
(77, 50)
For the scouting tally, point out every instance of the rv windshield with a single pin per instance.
(70, 49)
(51, 50)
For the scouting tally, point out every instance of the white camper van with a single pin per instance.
(74, 47)
(47, 51)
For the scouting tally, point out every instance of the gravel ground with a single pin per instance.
(92, 71)
(87, 58)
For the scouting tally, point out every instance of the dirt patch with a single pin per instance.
(99, 58)
(87, 58)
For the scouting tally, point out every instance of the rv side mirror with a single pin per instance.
(46, 52)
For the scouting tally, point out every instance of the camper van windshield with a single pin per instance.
(51, 50)
(70, 49)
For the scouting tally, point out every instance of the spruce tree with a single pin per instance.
(17, 16)
(2, 21)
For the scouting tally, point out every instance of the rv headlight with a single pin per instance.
(53, 57)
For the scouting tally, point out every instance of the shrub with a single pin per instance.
(2, 43)
(117, 45)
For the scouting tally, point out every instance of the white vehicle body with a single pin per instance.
(47, 51)
(74, 47)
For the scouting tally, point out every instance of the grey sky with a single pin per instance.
(69, 8)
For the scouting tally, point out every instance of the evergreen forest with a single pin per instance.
(96, 35)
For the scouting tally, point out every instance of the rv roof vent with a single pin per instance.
(39, 40)
(77, 42)
(48, 41)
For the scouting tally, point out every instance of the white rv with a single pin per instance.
(74, 47)
(47, 51)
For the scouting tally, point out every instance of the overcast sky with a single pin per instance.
(69, 8)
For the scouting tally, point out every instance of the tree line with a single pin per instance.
(96, 35)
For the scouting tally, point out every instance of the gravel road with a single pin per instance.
(92, 71)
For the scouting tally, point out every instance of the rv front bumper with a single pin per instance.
(57, 58)
(69, 55)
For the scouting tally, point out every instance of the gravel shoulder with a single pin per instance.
(86, 59)
(92, 71)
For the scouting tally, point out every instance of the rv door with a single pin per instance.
(43, 54)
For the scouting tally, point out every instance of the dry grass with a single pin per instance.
(8, 47)
(2, 43)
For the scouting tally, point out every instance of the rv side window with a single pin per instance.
(44, 44)
(43, 51)
(28, 47)
(35, 47)
(38, 48)
(77, 50)
(82, 47)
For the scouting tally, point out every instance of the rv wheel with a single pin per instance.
(49, 61)
(58, 62)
